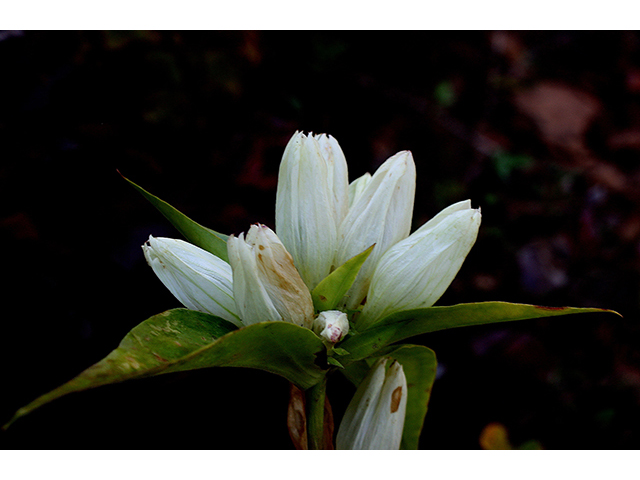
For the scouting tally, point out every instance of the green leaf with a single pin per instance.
(419, 366)
(356, 371)
(334, 362)
(339, 351)
(334, 286)
(205, 238)
(506, 163)
(408, 323)
(180, 339)
(445, 93)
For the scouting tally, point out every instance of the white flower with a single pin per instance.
(338, 177)
(323, 222)
(357, 187)
(266, 284)
(380, 214)
(416, 271)
(260, 284)
(331, 326)
(200, 280)
(311, 202)
(402, 272)
(374, 419)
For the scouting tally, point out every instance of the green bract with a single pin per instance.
(343, 264)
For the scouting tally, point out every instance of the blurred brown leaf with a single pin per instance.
(297, 420)
(495, 437)
(562, 113)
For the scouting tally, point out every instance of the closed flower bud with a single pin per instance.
(415, 272)
(331, 326)
(266, 284)
(381, 215)
(338, 175)
(311, 201)
(200, 280)
(357, 187)
(374, 419)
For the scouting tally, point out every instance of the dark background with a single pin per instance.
(542, 130)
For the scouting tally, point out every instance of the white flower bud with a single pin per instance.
(200, 280)
(266, 284)
(374, 419)
(415, 272)
(338, 175)
(357, 187)
(331, 325)
(381, 215)
(311, 201)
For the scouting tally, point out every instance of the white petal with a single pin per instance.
(380, 215)
(252, 300)
(357, 187)
(415, 272)
(385, 432)
(200, 280)
(374, 419)
(267, 286)
(306, 217)
(338, 174)
(359, 414)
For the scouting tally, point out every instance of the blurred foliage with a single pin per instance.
(540, 129)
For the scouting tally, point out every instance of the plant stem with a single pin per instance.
(315, 415)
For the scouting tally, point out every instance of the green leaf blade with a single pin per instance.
(409, 323)
(334, 286)
(181, 339)
(205, 238)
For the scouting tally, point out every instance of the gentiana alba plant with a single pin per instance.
(331, 291)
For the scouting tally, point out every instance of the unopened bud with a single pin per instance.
(331, 325)
(266, 284)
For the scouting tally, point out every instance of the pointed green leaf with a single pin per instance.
(205, 238)
(339, 351)
(330, 291)
(406, 324)
(180, 339)
(334, 362)
(419, 366)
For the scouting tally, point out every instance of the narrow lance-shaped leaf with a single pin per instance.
(205, 238)
(180, 339)
(419, 365)
(408, 323)
(334, 286)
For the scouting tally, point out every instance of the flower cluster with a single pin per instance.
(322, 221)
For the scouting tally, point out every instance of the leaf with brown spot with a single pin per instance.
(277, 347)
(402, 325)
